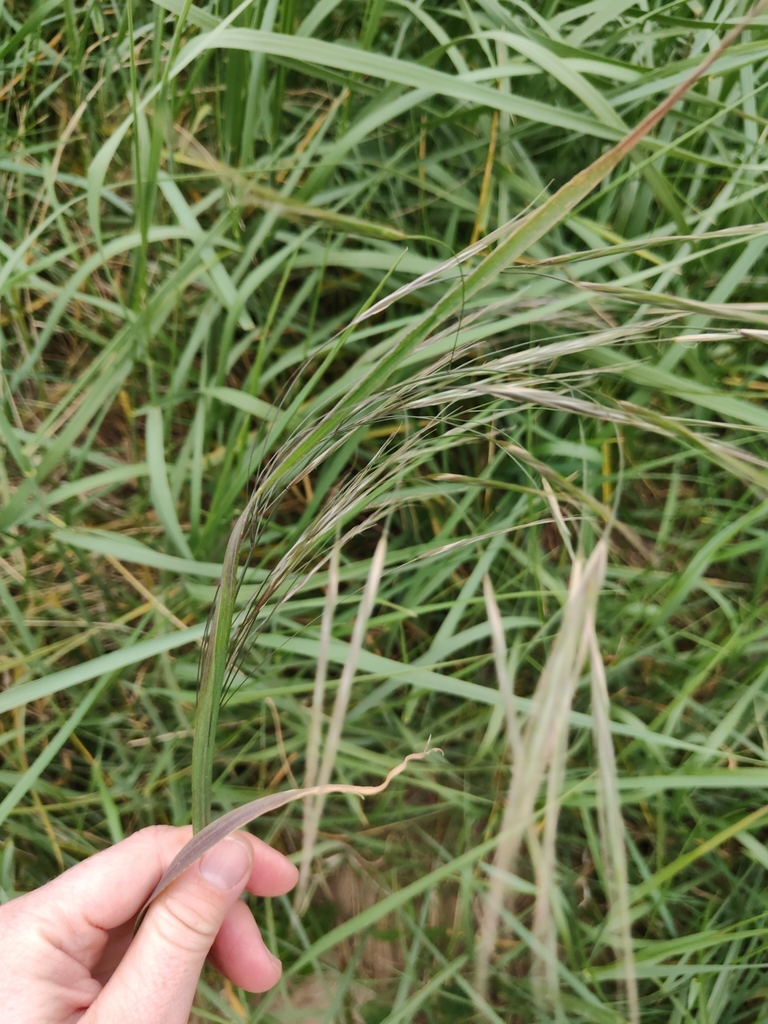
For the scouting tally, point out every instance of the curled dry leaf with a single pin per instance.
(230, 822)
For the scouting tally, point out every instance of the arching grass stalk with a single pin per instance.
(309, 447)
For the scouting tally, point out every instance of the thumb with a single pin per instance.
(157, 978)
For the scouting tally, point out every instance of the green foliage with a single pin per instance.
(235, 286)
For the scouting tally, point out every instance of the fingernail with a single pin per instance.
(226, 864)
(276, 962)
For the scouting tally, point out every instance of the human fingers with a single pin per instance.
(155, 981)
(272, 873)
(239, 952)
(99, 895)
(108, 889)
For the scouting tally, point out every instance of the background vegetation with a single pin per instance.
(197, 202)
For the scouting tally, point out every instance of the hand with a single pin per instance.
(67, 951)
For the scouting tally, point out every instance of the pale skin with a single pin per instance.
(68, 953)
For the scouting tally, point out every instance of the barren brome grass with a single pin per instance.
(384, 376)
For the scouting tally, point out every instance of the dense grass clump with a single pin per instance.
(289, 296)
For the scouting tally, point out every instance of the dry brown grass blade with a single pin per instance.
(230, 822)
(314, 736)
(543, 734)
(336, 724)
(612, 825)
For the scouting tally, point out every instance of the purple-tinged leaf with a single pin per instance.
(230, 822)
